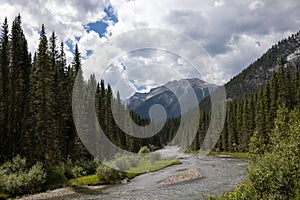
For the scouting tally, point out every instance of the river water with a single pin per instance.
(219, 175)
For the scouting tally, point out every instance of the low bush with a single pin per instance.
(109, 175)
(16, 178)
(78, 171)
(154, 157)
(89, 166)
(124, 162)
(58, 175)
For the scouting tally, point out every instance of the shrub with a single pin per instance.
(58, 175)
(144, 149)
(108, 175)
(89, 166)
(78, 171)
(123, 162)
(154, 157)
(16, 179)
(133, 161)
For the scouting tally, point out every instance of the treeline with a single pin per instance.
(254, 113)
(36, 120)
(274, 167)
(35, 93)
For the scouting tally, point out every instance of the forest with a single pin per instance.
(40, 147)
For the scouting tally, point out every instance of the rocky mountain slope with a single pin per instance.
(165, 96)
(251, 78)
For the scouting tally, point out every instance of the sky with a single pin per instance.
(233, 33)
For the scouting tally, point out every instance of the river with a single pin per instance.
(219, 174)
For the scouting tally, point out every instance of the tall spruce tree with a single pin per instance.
(20, 68)
(4, 90)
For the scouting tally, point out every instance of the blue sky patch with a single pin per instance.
(101, 26)
(89, 52)
(70, 45)
(77, 38)
(139, 88)
(110, 14)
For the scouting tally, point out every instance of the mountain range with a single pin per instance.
(170, 95)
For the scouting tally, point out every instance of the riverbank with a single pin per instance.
(92, 184)
(215, 174)
(240, 155)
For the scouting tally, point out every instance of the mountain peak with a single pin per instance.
(165, 95)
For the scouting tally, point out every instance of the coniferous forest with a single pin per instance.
(39, 140)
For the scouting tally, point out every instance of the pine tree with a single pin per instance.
(273, 100)
(248, 122)
(19, 86)
(260, 118)
(45, 128)
(63, 106)
(79, 115)
(239, 122)
(54, 99)
(4, 90)
(231, 129)
(267, 106)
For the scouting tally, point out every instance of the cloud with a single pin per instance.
(256, 5)
(65, 17)
(229, 31)
(219, 3)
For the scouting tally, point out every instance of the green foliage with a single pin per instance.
(154, 157)
(124, 162)
(78, 171)
(86, 180)
(109, 175)
(274, 172)
(18, 179)
(58, 174)
(144, 149)
(89, 166)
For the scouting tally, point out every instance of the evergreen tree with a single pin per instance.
(79, 115)
(231, 129)
(4, 91)
(20, 68)
(45, 128)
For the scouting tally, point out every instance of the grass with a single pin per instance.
(86, 180)
(146, 166)
(143, 167)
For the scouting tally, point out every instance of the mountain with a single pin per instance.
(165, 96)
(250, 79)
